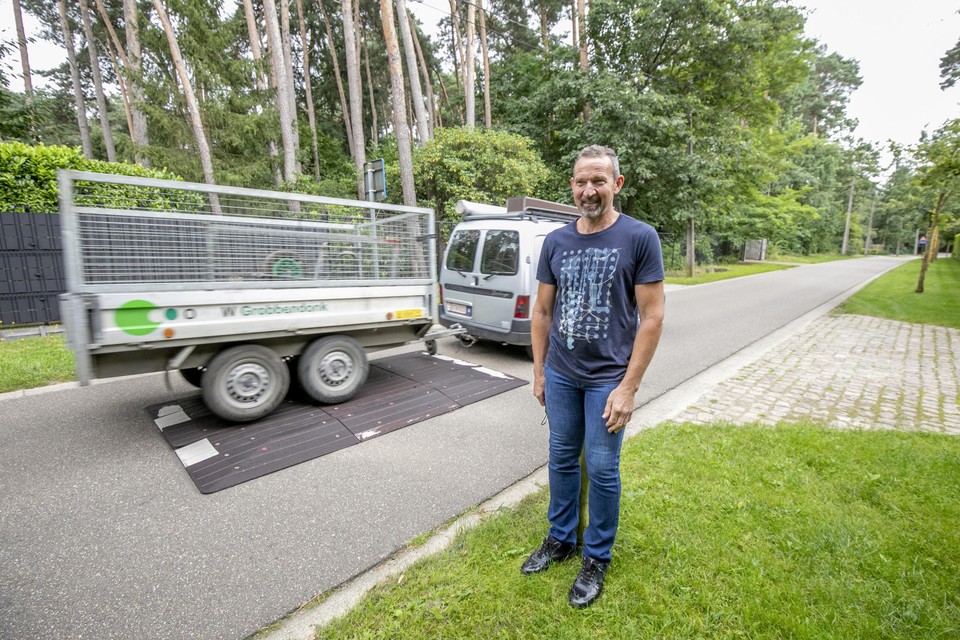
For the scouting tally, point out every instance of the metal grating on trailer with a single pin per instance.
(136, 231)
(400, 391)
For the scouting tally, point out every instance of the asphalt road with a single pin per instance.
(103, 534)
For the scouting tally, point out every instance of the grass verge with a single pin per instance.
(714, 273)
(34, 362)
(726, 532)
(816, 258)
(893, 295)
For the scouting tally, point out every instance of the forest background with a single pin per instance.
(727, 118)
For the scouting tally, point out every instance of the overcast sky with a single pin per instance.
(898, 44)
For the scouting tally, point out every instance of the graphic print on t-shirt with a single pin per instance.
(585, 283)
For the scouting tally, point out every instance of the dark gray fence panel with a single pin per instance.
(31, 268)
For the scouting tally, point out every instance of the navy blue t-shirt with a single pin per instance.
(595, 316)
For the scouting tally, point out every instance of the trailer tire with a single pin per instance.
(245, 383)
(193, 376)
(333, 369)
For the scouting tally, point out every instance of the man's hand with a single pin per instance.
(619, 409)
(538, 387)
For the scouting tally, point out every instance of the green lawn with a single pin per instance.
(34, 362)
(726, 532)
(893, 295)
(815, 258)
(713, 273)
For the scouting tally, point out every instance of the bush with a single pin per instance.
(477, 165)
(28, 174)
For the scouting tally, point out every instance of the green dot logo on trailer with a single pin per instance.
(133, 317)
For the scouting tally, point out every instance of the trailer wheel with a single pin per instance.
(193, 376)
(245, 383)
(333, 369)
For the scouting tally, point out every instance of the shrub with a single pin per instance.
(477, 165)
(28, 174)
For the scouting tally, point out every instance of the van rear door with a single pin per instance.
(482, 277)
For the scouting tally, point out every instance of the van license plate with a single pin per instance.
(459, 309)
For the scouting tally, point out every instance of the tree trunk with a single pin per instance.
(24, 58)
(846, 227)
(75, 77)
(193, 108)
(332, 46)
(575, 22)
(413, 75)
(374, 123)
(487, 115)
(426, 75)
(691, 248)
(584, 61)
(398, 100)
(288, 70)
(934, 222)
(311, 112)
(470, 70)
(263, 85)
(286, 110)
(459, 54)
(97, 82)
(135, 75)
(544, 27)
(353, 85)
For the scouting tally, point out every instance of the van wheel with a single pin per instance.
(333, 369)
(529, 351)
(245, 383)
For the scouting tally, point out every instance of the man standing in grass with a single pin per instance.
(590, 351)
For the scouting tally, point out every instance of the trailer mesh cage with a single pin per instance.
(122, 232)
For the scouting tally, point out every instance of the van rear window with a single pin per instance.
(462, 250)
(501, 252)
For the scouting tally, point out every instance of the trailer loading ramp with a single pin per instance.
(401, 390)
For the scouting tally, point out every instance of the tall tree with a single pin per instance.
(426, 75)
(398, 100)
(284, 81)
(332, 48)
(470, 67)
(24, 57)
(308, 89)
(141, 139)
(356, 99)
(413, 76)
(374, 121)
(285, 40)
(97, 82)
(940, 176)
(75, 77)
(487, 116)
(193, 107)
(263, 85)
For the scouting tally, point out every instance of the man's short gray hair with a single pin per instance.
(599, 151)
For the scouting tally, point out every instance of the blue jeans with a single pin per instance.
(575, 410)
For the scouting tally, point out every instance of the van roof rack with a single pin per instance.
(543, 208)
(517, 209)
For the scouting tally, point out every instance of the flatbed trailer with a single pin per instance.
(240, 290)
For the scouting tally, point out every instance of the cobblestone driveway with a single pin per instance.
(847, 371)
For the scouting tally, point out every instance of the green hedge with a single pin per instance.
(28, 174)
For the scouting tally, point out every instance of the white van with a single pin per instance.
(488, 279)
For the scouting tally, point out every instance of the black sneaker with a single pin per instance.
(589, 583)
(552, 550)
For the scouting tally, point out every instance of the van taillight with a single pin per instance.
(522, 309)
(440, 290)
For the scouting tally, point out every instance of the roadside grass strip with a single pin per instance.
(715, 273)
(34, 362)
(794, 531)
(893, 295)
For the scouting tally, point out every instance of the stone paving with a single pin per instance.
(847, 371)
